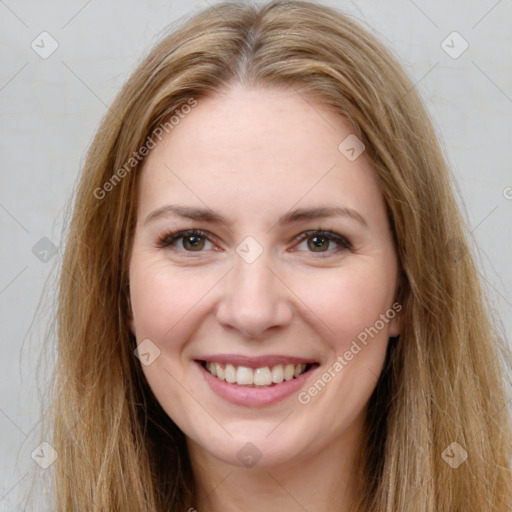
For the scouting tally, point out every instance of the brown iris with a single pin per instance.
(317, 243)
(193, 242)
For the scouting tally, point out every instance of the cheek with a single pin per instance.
(348, 300)
(163, 296)
(350, 303)
(152, 302)
(164, 300)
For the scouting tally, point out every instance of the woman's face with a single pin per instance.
(292, 268)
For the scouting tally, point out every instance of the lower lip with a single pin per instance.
(255, 397)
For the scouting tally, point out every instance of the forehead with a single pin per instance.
(254, 149)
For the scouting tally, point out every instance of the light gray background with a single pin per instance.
(51, 107)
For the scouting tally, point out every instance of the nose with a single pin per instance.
(254, 299)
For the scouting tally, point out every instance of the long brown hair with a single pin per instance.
(444, 380)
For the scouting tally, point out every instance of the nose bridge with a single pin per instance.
(253, 280)
(254, 299)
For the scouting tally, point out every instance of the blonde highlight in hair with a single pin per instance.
(444, 378)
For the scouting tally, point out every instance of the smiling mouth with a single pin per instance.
(264, 377)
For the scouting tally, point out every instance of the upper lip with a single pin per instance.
(255, 361)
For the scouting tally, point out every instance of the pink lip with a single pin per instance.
(254, 362)
(254, 397)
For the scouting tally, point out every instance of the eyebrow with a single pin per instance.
(301, 214)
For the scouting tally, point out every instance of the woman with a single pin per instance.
(267, 298)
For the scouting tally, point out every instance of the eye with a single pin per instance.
(195, 240)
(319, 241)
(192, 240)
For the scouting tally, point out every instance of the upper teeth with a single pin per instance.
(264, 376)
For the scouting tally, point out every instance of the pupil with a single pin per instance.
(317, 244)
(194, 241)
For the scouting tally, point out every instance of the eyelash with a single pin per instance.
(168, 239)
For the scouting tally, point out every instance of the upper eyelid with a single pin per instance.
(177, 235)
(341, 240)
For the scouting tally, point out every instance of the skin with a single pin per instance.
(252, 155)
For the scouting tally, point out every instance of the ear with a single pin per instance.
(395, 322)
(394, 327)
(131, 322)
